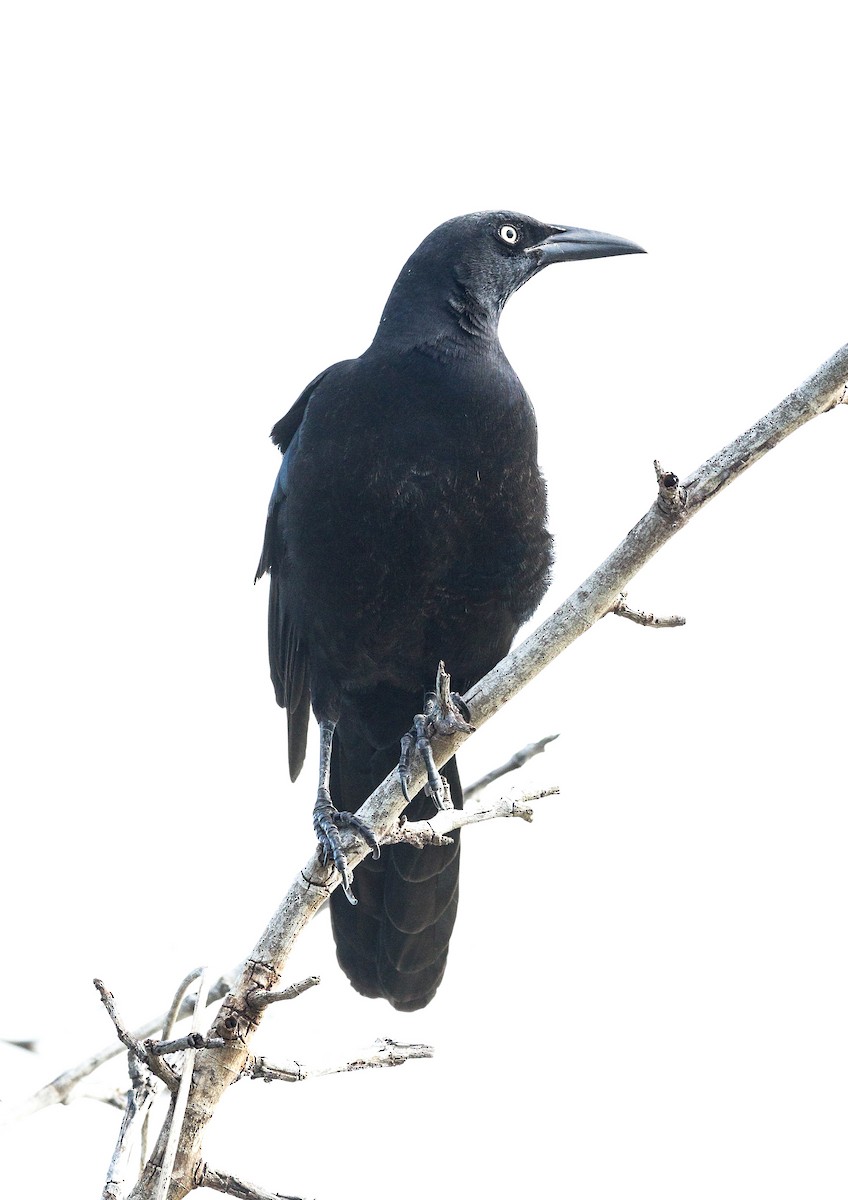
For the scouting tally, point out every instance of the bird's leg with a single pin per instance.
(327, 820)
(445, 712)
(419, 737)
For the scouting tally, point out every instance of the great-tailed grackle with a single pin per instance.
(407, 525)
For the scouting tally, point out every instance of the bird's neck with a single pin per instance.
(427, 313)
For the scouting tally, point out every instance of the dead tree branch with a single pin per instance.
(674, 506)
(622, 609)
(231, 1185)
(435, 830)
(217, 1066)
(162, 1070)
(182, 1004)
(65, 1087)
(512, 764)
(139, 1100)
(384, 1053)
(261, 999)
(180, 1102)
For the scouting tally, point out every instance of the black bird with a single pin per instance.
(407, 525)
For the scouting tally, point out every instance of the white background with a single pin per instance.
(204, 205)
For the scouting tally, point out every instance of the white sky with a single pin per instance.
(204, 205)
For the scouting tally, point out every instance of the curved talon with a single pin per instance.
(327, 820)
(445, 712)
(434, 786)
(346, 820)
(464, 710)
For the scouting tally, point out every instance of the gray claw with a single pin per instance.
(445, 712)
(327, 820)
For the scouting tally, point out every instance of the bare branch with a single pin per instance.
(180, 999)
(136, 1107)
(434, 831)
(258, 1067)
(180, 1101)
(621, 609)
(138, 1103)
(191, 1041)
(65, 1087)
(259, 999)
(136, 1048)
(112, 1097)
(231, 1185)
(676, 503)
(513, 764)
(384, 1053)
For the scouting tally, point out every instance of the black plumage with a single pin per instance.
(408, 526)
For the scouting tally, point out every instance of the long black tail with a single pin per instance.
(394, 942)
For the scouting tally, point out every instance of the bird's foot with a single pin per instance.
(328, 821)
(445, 712)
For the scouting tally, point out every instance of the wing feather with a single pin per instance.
(288, 651)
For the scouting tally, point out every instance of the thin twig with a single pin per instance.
(180, 997)
(622, 609)
(191, 1041)
(513, 764)
(384, 1053)
(434, 831)
(111, 1097)
(65, 1087)
(139, 1100)
(180, 1102)
(162, 1070)
(231, 1185)
(259, 999)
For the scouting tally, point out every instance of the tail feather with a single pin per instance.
(394, 942)
(427, 947)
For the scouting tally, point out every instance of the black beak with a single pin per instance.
(570, 244)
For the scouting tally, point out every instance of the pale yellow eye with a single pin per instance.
(508, 234)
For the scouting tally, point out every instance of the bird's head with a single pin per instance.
(471, 265)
